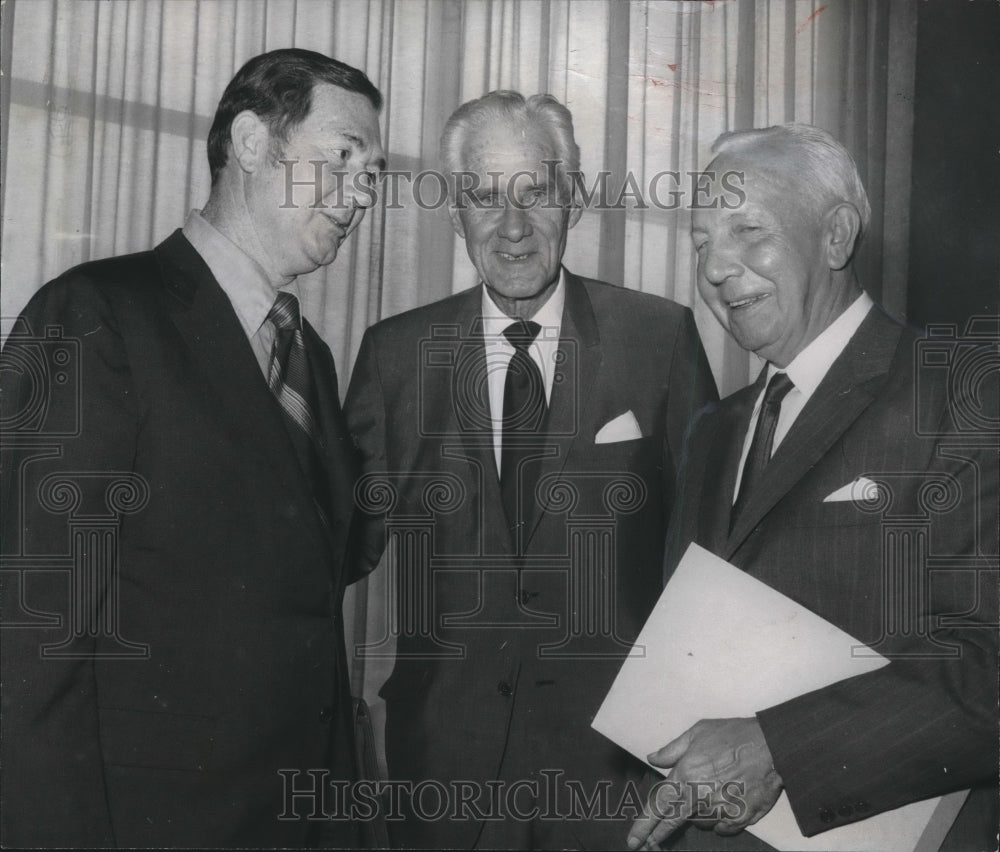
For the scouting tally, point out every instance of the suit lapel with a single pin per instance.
(848, 389)
(337, 450)
(572, 399)
(461, 397)
(717, 470)
(221, 353)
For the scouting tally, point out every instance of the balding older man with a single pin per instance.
(858, 477)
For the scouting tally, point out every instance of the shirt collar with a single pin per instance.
(811, 365)
(241, 278)
(549, 315)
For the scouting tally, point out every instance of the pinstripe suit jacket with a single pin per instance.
(913, 574)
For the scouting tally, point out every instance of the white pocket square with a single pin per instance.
(623, 428)
(862, 490)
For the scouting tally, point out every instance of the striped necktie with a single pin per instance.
(288, 377)
(291, 383)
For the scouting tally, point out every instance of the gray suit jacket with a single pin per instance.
(912, 574)
(503, 659)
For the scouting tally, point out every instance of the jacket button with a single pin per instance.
(862, 807)
(504, 688)
(826, 815)
(326, 714)
(845, 811)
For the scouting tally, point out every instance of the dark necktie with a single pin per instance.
(763, 441)
(523, 417)
(291, 383)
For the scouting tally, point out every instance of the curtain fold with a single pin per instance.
(112, 105)
(109, 107)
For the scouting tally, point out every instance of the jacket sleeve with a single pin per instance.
(691, 388)
(926, 723)
(365, 412)
(68, 410)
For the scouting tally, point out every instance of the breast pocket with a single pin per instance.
(602, 479)
(840, 513)
(638, 455)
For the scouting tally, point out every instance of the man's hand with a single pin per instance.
(722, 777)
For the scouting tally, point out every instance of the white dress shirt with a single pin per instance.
(499, 351)
(242, 279)
(806, 371)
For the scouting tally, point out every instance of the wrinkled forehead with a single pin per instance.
(508, 148)
(764, 171)
(762, 182)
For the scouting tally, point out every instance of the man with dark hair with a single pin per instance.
(858, 476)
(177, 676)
(524, 434)
(277, 87)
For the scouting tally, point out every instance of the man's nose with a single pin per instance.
(720, 262)
(515, 224)
(363, 189)
(354, 188)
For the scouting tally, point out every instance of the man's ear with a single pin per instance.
(456, 220)
(575, 212)
(843, 227)
(250, 139)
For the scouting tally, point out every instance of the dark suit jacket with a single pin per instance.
(912, 574)
(502, 660)
(213, 656)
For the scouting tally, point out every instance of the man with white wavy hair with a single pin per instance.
(552, 408)
(849, 478)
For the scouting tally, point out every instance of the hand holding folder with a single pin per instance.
(744, 648)
(731, 762)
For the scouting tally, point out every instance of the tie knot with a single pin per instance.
(777, 389)
(284, 312)
(521, 333)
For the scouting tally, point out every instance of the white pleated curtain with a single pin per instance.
(110, 105)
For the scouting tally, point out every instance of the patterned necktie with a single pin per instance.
(763, 441)
(291, 383)
(524, 409)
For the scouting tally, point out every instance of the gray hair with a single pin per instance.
(511, 108)
(831, 171)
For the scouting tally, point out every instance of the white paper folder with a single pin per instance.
(720, 644)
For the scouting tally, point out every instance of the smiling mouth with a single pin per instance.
(513, 258)
(333, 220)
(749, 300)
